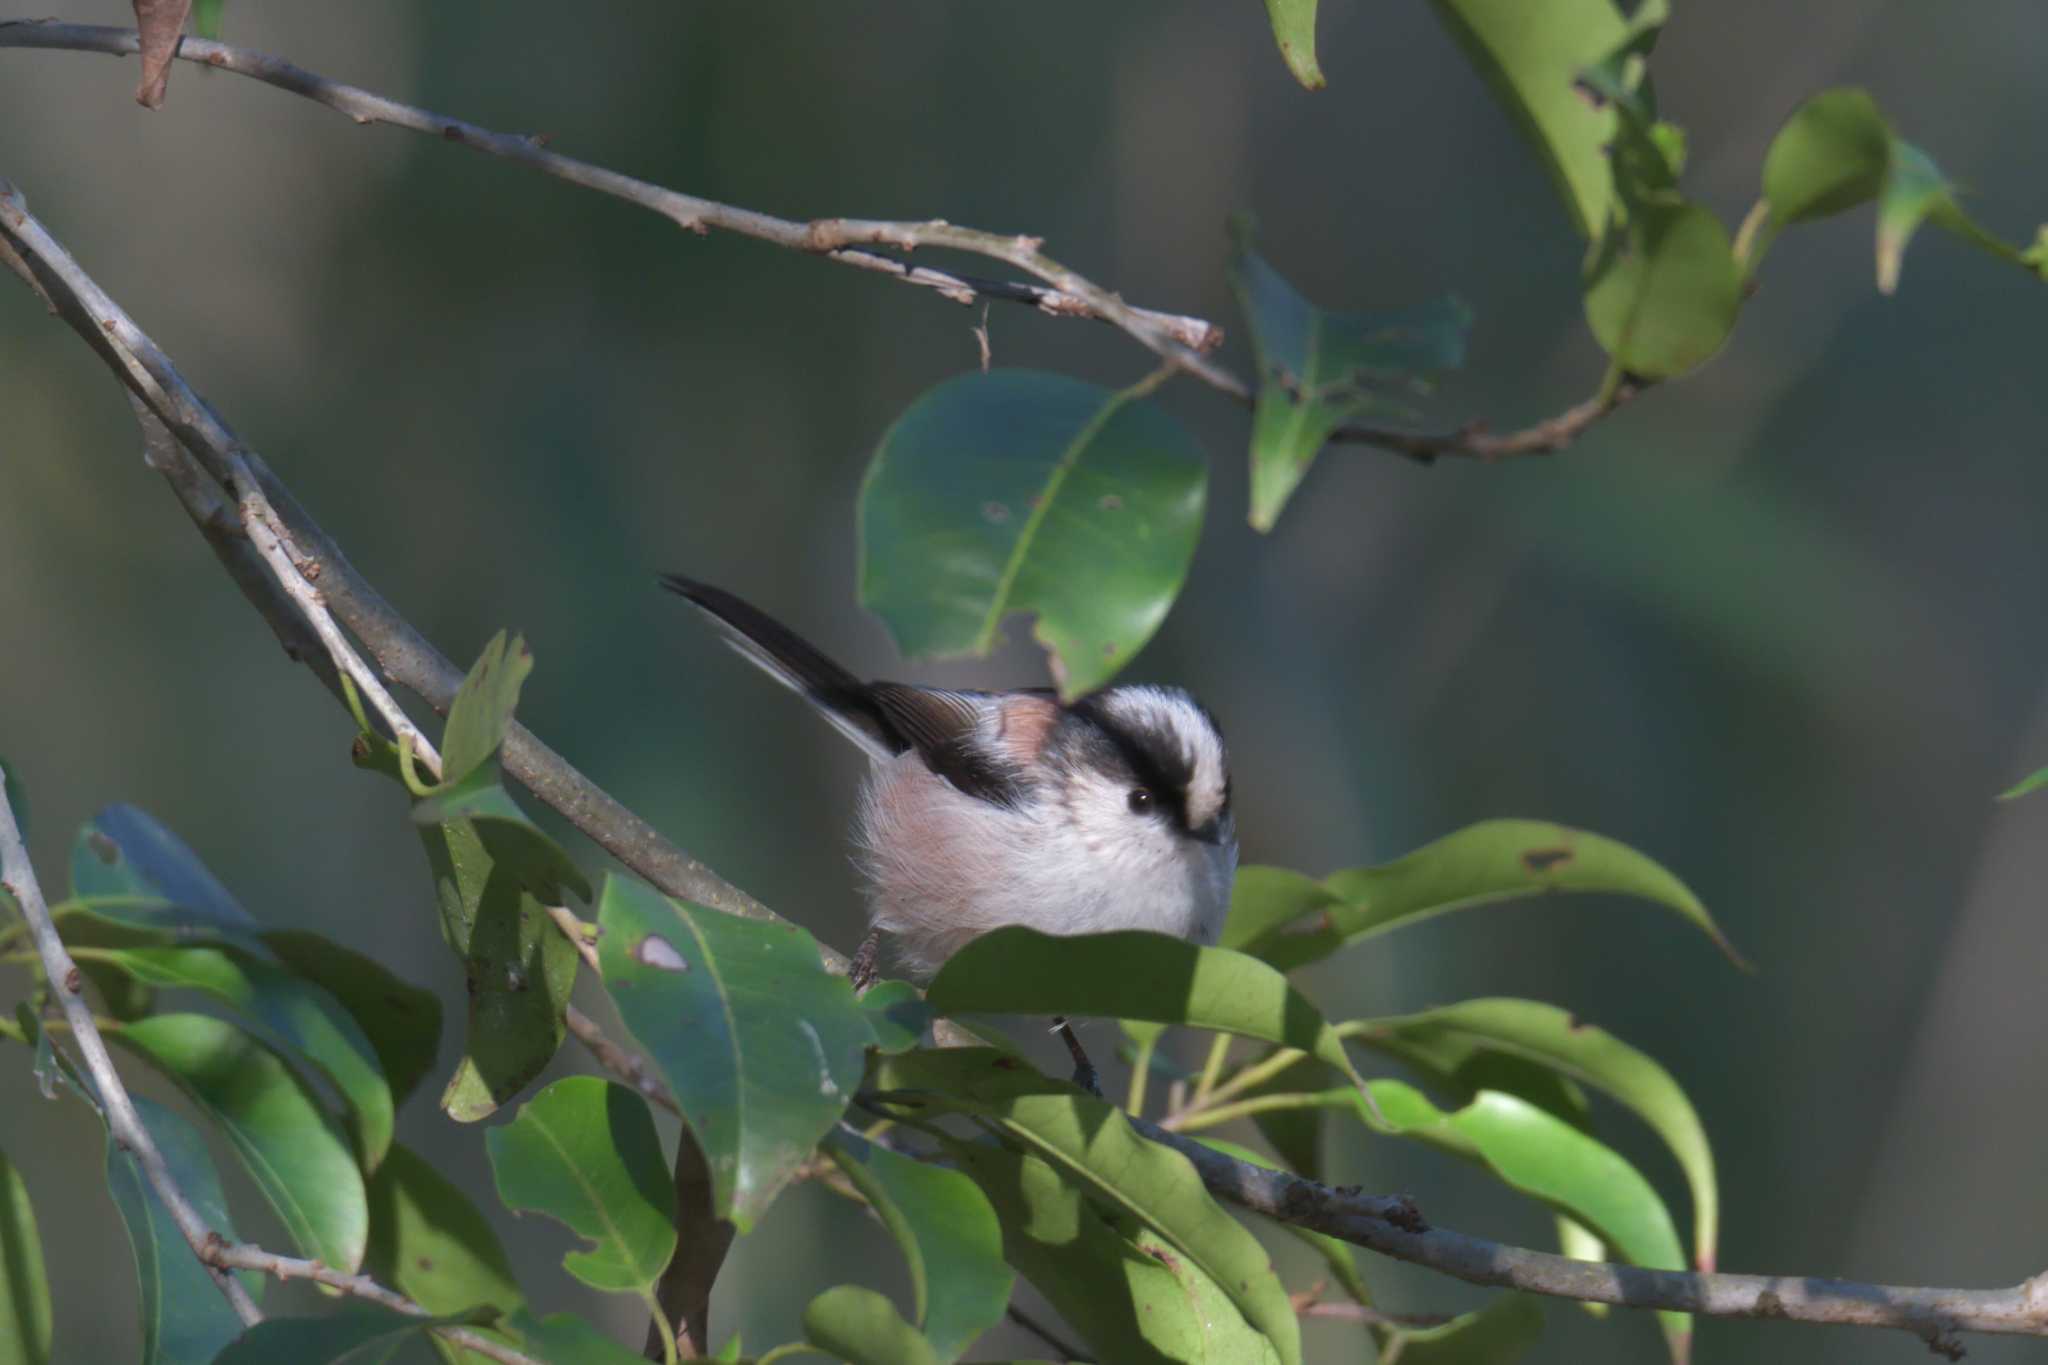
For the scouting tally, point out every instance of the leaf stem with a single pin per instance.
(1197, 1120)
(663, 1326)
(1141, 1073)
(1212, 1069)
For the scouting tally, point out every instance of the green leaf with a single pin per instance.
(518, 967)
(949, 1236)
(513, 842)
(1294, 29)
(1532, 53)
(1091, 1144)
(1494, 860)
(1132, 974)
(361, 1332)
(185, 1321)
(1837, 151)
(2031, 783)
(1449, 1038)
(1319, 370)
(1023, 491)
(123, 851)
(1499, 1334)
(1134, 1303)
(862, 1327)
(1338, 1256)
(431, 1244)
(1266, 899)
(401, 1020)
(1663, 291)
(24, 1286)
(897, 1013)
(291, 1148)
(1541, 1155)
(759, 1044)
(301, 1021)
(584, 1151)
(206, 16)
(565, 1339)
(483, 707)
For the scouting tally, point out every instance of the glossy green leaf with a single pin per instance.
(897, 1013)
(1319, 370)
(1541, 1155)
(863, 1328)
(1449, 1037)
(518, 966)
(1663, 292)
(123, 851)
(298, 1159)
(1503, 1332)
(1494, 860)
(483, 707)
(1837, 151)
(1532, 52)
(1022, 491)
(359, 1333)
(515, 844)
(303, 1022)
(1294, 30)
(1266, 899)
(24, 1285)
(584, 1151)
(1132, 974)
(565, 1339)
(431, 1244)
(185, 1320)
(1091, 1144)
(401, 1020)
(760, 1045)
(1134, 1303)
(949, 1236)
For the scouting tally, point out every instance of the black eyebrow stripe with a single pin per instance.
(1169, 784)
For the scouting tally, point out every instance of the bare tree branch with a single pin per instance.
(1186, 341)
(67, 984)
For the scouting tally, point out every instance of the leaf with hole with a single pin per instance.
(1448, 1040)
(949, 1236)
(1494, 860)
(290, 1147)
(1090, 1143)
(1015, 491)
(760, 1045)
(1319, 370)
(25, 1285)
(584, 1152)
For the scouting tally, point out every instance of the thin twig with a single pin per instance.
(67, 984)
(1066, 1350)
(1186, 341)
(628, 1066)
(222, 1255)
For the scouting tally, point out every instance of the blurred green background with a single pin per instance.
(1775, 625)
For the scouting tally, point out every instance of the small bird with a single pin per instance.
(984, 809)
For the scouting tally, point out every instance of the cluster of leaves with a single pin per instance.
(1040, 493)
(980, 1167)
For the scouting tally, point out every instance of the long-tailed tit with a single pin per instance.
(990, 808)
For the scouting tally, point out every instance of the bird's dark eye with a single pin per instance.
(1140, 801)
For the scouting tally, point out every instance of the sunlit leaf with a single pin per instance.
(25, 1286)
(1499, 1334)
(1129, 1301)
(431, 1244)
(358, 1332)
(1294, 30)
(949, 1236)
(1448, 1038)
(1494, 860)
(1319, 370)
(1091, 1144)
(760, 1045)
(1265, 899)
(1532, 52)
(293, 1151)
(1017, 490)
(2033, 782)
(863, 1328)
(584, 1151)
(402, 1021)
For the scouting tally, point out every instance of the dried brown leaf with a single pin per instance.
(161, 23)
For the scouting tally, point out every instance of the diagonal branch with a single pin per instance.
(1387, 1224)
(859, 242)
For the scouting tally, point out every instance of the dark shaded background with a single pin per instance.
(1775, 625)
